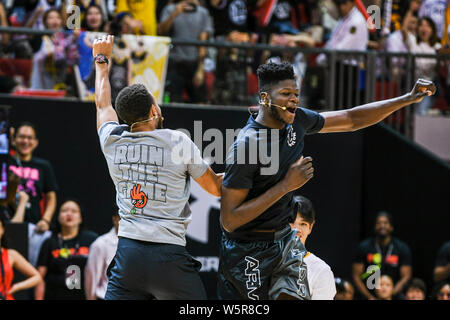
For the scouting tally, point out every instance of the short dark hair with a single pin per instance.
(270, 74)
(305, 208)
(385, 214)
(417, 283)
(25, 124)
(133, 103)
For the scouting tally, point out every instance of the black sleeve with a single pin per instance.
(45, 253)
(49, 178)
(443, 256)
(239, 172)
(312, 121)
(361, 251)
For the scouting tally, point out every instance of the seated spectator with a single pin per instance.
(344, 289)
(386, 289)
(68, 246)
(139, 16)
(441, 291)
(101, 253)
(416, 290)
(57, 54)
(427, 43)
(186, 19)
(11, 260)
(391, 255)
(319, 274)
(442, 266)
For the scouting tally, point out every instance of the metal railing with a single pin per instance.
(348, 78)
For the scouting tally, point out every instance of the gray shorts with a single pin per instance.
(262, 270)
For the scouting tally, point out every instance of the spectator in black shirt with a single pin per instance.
(390, 254)
(38, 178)
(68, 246)
(442, 268)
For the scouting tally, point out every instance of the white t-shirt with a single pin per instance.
(151, 171)
(320, 278)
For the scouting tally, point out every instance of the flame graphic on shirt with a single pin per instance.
(138, 197)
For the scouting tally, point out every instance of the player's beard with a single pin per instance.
(274, 112)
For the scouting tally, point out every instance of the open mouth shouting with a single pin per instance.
(291, 109)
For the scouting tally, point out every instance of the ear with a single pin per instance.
(264, 97)
(153, 111)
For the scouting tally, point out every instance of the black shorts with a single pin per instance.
(263, 270)
(147, 270)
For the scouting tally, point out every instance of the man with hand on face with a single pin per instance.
(320, 277)
(259, 255)
(388, 253)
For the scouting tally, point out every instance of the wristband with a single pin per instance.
(101, 58)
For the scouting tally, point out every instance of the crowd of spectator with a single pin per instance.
(197, 75)
(227, 75)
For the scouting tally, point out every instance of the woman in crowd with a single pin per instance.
(9, 260)
(64, 252)
(57, 53)
(427, 43)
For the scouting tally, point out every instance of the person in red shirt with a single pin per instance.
(9, 260)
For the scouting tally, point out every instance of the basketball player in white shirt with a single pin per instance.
(319, 274)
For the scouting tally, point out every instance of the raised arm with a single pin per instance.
(234, 212)
(369, 114)
(105, 111)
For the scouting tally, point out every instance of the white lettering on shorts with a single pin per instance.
(254, 277)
